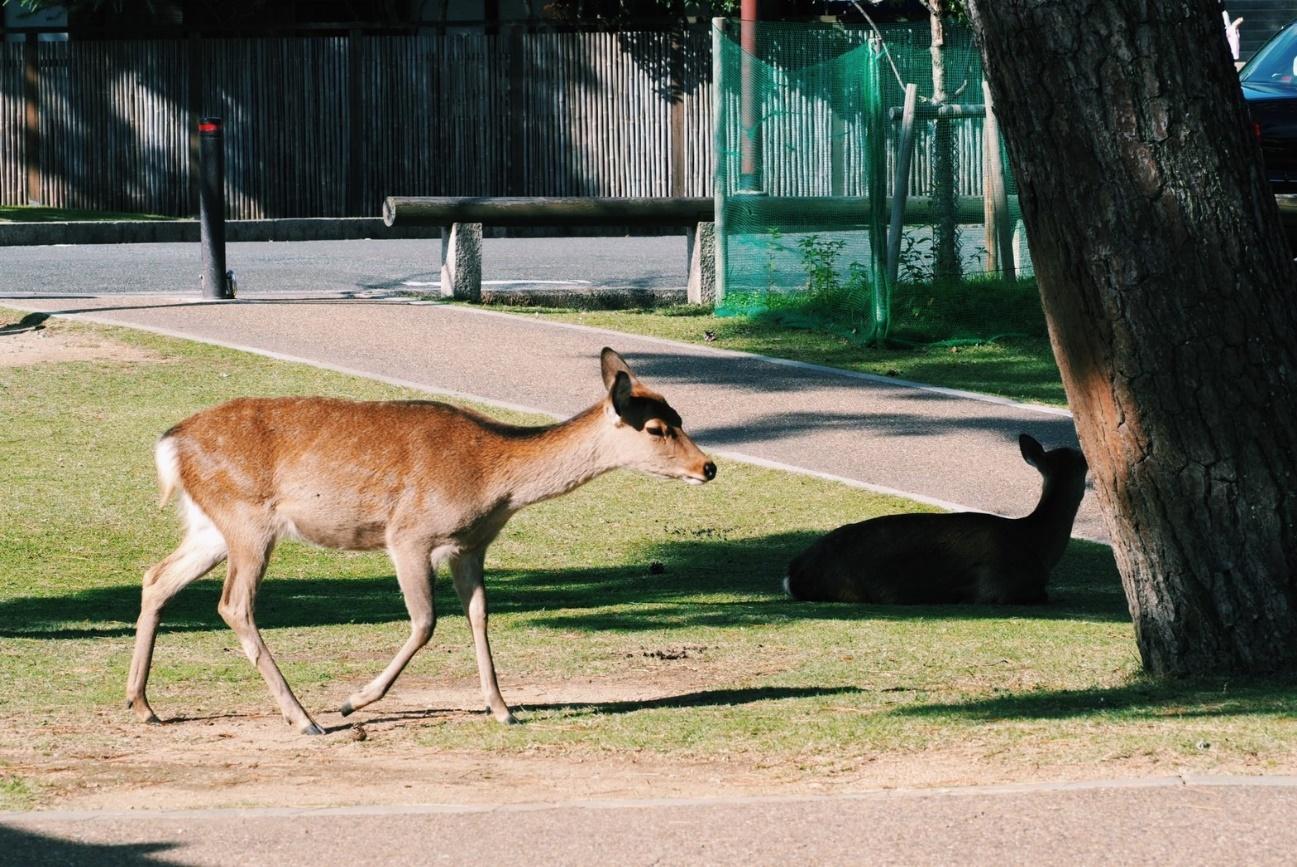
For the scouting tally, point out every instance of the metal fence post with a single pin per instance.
(211, 207)
(878, 222)
(32, 119)
(721, 173)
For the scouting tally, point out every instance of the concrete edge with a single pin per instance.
(506, 405)
(72, 232)
(994, 790)
(186, 231)
(593, 299)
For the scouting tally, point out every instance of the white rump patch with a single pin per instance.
(198, 526)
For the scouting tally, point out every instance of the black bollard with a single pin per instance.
(211, 207)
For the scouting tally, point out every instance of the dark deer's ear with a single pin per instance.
(620, 393)
(610, 364)
(1032, 451)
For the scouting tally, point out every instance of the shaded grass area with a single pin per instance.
(971, 310)
(1019, 365)
(34, 214)
(721, 663)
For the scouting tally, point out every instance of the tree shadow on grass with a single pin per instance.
(1142, 699)
(702, 582)
(1085, 587)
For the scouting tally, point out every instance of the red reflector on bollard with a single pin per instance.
(209, 127)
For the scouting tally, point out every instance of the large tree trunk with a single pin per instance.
(1169, 291)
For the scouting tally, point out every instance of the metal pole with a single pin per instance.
(901, 184)
(32, 119)
(750, 168)
(721, 175)
(211, 207)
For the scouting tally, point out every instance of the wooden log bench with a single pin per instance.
(462, 218)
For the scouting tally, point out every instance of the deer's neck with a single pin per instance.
(1050, 525)
(551, 461)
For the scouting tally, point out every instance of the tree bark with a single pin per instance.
(1168, 287)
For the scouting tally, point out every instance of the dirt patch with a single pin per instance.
(684, 651)
(250, 758)
(38, 340)
(253, 759)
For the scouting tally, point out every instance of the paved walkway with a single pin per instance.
(1161, 821)
(933, 445)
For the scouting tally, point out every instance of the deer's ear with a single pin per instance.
(610, 364)
(620, 393)
(1032, 451)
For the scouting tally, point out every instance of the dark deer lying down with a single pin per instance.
(428, 482)
(962, 557)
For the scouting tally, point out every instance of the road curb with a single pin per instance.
(186, 231)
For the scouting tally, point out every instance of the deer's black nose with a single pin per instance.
(709, 470)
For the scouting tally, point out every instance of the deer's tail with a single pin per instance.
(168, 462)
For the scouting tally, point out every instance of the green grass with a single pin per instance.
(1017, 367)
(730, 669)
(33, 214)
(15, 793)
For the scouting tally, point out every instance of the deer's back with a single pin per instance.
(336, 472)
(919, 559)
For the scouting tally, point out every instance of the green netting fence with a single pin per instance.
(844, 195)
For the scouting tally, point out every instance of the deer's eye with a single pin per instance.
(656, 431)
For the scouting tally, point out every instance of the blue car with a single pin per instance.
(1269, 83)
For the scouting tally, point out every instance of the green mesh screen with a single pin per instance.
(797, 128)
(809, 133)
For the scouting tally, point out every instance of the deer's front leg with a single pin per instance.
(414, 574)
(466, 569)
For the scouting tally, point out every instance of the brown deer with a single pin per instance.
(428, 482)
(960, 557)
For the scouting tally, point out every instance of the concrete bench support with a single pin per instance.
(701, 243)
(461, 262)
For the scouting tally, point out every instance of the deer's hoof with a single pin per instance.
(346, 709)
(145, 714)
(312, 729)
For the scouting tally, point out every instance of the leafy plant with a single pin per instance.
(771, 268)
(819, 258)
(914, 263)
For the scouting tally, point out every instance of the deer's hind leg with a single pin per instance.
(247, 565)
(202, 548)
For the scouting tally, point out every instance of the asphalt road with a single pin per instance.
(345, 266)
